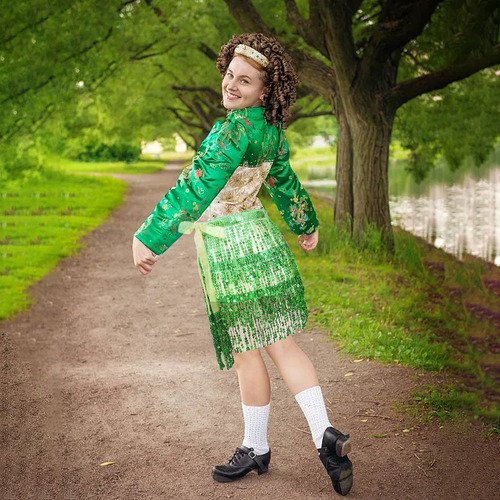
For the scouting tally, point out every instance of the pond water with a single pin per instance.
(456, 211)
(459, 218)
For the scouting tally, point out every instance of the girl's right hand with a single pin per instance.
(144, 258)
(308, 241)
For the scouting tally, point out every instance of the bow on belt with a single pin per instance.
(187, 227)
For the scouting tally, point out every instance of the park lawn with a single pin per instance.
(43, 220)
(393, 310)
(143, 166)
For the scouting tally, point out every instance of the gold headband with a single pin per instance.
(247, 51)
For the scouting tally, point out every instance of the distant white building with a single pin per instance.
(180, 145)
(156, 149)
(151, 148)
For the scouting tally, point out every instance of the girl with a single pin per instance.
(252, 288)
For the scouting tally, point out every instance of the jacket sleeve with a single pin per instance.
(196, 186)
(287, 192)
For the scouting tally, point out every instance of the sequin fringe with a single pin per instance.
(258, 286)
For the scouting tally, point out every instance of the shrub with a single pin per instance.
(101, 151)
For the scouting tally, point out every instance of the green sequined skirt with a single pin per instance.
(259, 291)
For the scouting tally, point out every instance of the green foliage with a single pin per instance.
(109, 152)
(18, 160)
(104, 72)
(461, 121)
(43, 220)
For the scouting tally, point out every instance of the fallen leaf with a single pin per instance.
(104, 464)
(349, 374)
(380, 435)
(364, 420)
(406, 430)
(358, 360)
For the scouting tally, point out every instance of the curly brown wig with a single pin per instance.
(280, 77)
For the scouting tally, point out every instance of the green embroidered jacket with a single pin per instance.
(238, 155)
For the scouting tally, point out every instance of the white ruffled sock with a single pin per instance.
(313, 405)
(256, 418)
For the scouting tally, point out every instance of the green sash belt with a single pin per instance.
(187, 227)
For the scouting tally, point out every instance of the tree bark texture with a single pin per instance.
(370, 178)
(344, 203)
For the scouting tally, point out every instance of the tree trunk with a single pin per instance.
(371, 138)
(344, 207)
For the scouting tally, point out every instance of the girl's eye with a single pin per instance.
(244, 81)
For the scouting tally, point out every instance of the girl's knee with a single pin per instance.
(280, 348)
(242, 359)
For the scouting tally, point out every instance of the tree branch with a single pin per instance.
(312, 114)
(192, 145)
(196, 110)
(186, 88)
(247, 17)
(183, 120)
(108, 71)
(139, 54)
(91, 46)
(27, 89)
(205, 49)
(158, 12)
(409, 89)
(22, 30)
(306, 29)
(340, 42)
(400, 21)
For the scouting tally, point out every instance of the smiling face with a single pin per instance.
(243, 85)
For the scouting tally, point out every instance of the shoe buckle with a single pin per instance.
(252, 454)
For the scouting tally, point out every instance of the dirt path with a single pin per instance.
(112, 366)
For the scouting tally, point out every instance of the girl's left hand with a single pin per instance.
(308, 241)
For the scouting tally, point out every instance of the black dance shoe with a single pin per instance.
(243, 461)
(333, 454)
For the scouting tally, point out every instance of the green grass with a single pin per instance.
(42, 221)
(449, 401)
(391, 308)
(144, 166)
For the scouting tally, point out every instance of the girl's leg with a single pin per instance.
(255, 386)
(300, 376)
(255, 390)
(293, 364)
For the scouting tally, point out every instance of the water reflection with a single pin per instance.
(456, 210)
(459, 218)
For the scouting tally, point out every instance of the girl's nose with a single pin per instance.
(231, 85)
